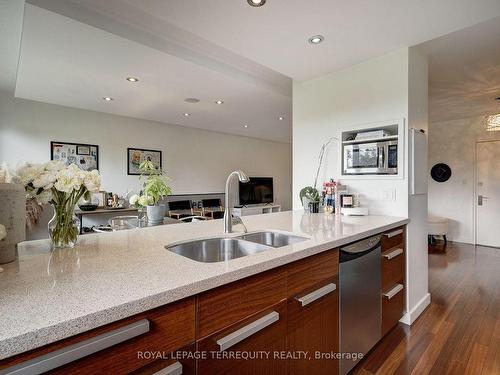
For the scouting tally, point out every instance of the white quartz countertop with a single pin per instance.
(46, 296)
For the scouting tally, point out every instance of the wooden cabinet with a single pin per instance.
(219, 308)
(314, 328)
(313, 314)
(245, 317)
(393, 277)
(182, 361)
(281, 313)
(136, 340)
(248, 347)
(251, 326)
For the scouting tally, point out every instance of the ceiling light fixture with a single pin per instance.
(132, 79)
(316, 39)
(187, 114)
(220, 101)
(281, 118)
(493, 121)
(108, 98)
(192, 100)
(256, 3)
(245, 126)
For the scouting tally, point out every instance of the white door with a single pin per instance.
(488, 193)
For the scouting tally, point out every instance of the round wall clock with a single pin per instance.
(441, 172)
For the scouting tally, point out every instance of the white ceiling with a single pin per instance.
(276, 34)
(76, 51)
(11, 21)
(69, 63)
(464, 72)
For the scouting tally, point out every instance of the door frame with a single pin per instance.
(474, 187)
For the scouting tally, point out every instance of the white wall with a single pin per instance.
(373, 91)
(417, 254)
(390, 87)
(453, 142)
(198, 161)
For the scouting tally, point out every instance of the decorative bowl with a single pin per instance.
(88, 207)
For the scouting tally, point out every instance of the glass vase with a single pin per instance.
(64, 226)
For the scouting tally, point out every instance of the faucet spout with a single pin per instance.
(228, 217)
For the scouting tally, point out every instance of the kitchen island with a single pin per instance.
(48, 296)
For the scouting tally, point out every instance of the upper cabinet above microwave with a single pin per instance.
(376, 150)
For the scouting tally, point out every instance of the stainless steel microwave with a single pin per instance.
(371, 158)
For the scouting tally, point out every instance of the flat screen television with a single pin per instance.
(258, 190)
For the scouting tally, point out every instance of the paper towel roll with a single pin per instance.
(13, 217)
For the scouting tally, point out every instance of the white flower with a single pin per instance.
(45, 180)
(28, 172)
(92, 180)
(44, 197)
(133, 200)
(54, 165)
(145, 200)
(69, 179)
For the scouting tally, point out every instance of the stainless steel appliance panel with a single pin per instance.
(360, 299)
(371, 158)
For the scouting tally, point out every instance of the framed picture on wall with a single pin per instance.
(83, 155)
(135, 156)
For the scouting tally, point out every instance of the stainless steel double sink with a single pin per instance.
(220, 249)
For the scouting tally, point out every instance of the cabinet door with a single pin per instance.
(111, 349)
(313, 327)
(262, 336)
(392, 307)
(178, 362)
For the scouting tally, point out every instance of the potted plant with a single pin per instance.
(154, 189)
(310, 198)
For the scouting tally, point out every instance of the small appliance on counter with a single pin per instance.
(354, 211)
(373, 134)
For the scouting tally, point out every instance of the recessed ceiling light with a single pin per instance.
(108, 98)
(316, 39)
(256, 3)
(132, 79)
(192, 100)
(187, 114)
(220, 101)
(245, 126)
(281, 118)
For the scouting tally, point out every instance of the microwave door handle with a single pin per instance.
(381, 157)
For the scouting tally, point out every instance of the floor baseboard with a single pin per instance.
(411, 316)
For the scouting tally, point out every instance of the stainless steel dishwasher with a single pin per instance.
(360, 299)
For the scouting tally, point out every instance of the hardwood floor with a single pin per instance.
(459, 333)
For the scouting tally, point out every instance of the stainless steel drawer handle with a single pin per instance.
(244, 332)
(173, 369)
(393, 233)
(391, 293)
(317, 294)
(79, 350)
(393, 254)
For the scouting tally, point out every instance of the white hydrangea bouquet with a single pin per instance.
(62, 186)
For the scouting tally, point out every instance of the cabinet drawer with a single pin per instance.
(314, 327)
(393, 267)
(184, 363)
(305, 273)
(163, 329)
(392, 306)
(264, 332)
(392, 238)
(221, 307)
